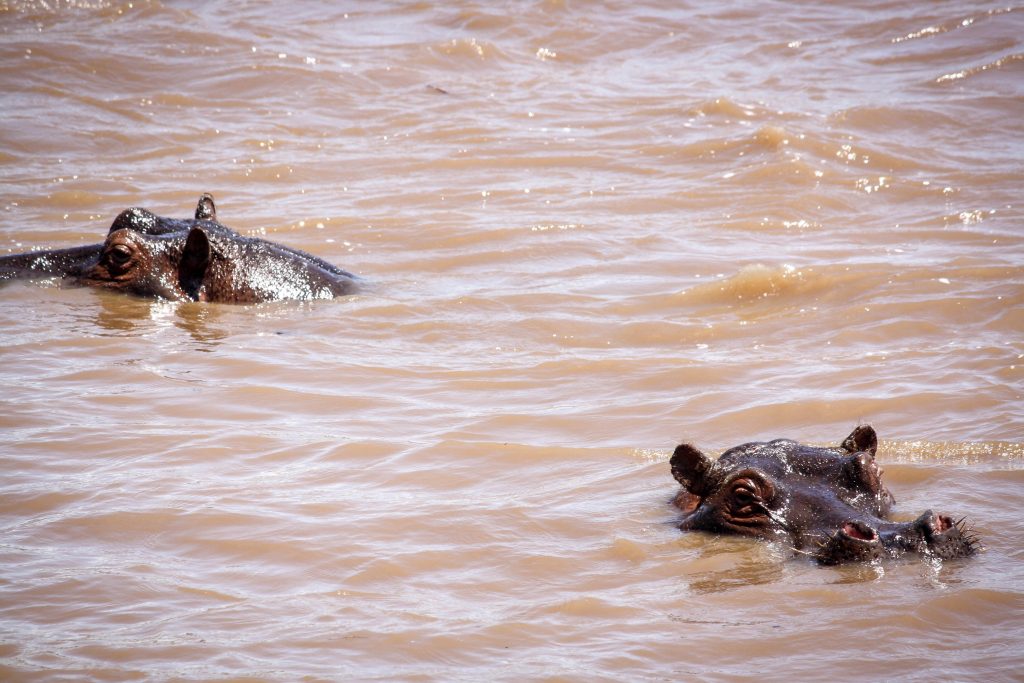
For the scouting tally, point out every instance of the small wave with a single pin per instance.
(961, 453)
(54, 6)
(723, 106)
(478, 19)
(467, 51)
(973, 71)
(888, 118)
(107, 9)
(752, 146)
(772, 137)
(758, 282)
(948, 26)
(793, 172)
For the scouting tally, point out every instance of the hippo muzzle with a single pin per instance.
(829, 503)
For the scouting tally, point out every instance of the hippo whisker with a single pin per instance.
(969, 535)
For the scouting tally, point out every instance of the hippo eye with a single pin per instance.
(745, 496)
(748, 496)
(120, 254)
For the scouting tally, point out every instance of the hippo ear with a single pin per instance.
(194, 261)
(863, 438)
(690, 468)
(206, 210)
(863, 473)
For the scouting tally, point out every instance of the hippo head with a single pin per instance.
(165, 266)
(148, 223)
(826, 502)
(196, 259)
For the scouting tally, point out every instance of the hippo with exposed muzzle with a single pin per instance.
(829, 503)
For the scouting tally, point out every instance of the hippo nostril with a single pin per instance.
(859, 531)
(931, 526)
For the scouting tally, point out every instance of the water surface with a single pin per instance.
(588, 231)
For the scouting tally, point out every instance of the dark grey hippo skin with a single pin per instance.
(193, 259)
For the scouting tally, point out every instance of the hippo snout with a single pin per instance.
(854, 541)
(931, 534)
(945, 538)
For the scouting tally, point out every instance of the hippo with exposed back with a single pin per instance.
(197, 259)
(829, 503)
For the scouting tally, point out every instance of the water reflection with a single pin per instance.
(858, 572)
(120, 315)
(724, 564)
(720, 564)
(200, 321)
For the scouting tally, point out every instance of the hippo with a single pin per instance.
(829, 503)
(196, 259)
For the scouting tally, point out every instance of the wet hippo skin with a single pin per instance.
(829, 503)
(196, 259)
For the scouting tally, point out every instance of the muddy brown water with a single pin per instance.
(588, 230)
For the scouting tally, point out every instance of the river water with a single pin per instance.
(588, 230)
